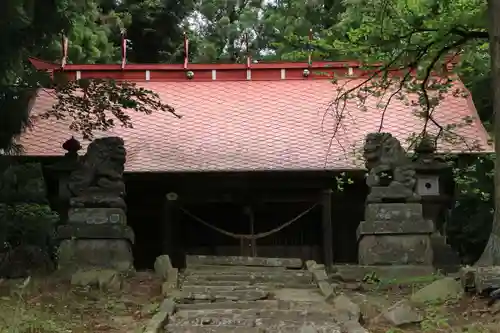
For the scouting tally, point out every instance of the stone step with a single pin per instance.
(287, 315)
(199, 268)
(221, 289)
(264, 304)
(333, 328)
(301, 277)
(235, 295)
(193, 260)
(273, 272)
(223, 285)
(247, 322)
(212, 329)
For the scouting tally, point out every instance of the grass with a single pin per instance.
(53, 306)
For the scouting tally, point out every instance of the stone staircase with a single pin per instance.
(249, 295)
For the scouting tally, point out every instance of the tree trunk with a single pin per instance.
(491, 254)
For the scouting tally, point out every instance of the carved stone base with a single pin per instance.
(101, 253)
(98, 200)
(95, 231)
(395, 250)
(395, 234)
(96, 216)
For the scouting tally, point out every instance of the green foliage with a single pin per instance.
(25, 28)
(153, 27)
(33, 28)
(469, 224)
(91, 34)
(221, 28)
(27, 224)
(102, 99)
(276, 30)
(416, 38)
(25, 216)
(23, 183)
(286, 26)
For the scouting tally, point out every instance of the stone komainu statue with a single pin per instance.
(98, 182)
(387, 164)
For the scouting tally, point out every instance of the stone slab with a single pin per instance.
(197, 289)
(242, 329)
(229, 272)
(392, 194)
(248, 295)
(326, 289)
(350, 273)
(393, 227)
(256, 313)
(236, 320)
(200, 269)
(395, 250)
(97, 216)
(218, 321)
(236, 295)
(243, 261)
(480, 279)
(212, 329)
(299, 298)
(250, 278)
(95, 231)
(156, 324)
(320, 275)
(274, 285)
(82, 253)
(394, 212)
(98, 201)
(265, 304)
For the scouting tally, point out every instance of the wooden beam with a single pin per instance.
(327, 229)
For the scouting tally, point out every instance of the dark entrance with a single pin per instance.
(265, 229)
(161, 227)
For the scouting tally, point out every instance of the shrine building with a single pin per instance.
(259, 150)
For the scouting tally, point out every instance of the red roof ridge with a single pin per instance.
(44, 65)
(260, 71)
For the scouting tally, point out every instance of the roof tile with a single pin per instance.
(257, 125)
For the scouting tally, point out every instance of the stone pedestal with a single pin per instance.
(96, 237)
(395, 234)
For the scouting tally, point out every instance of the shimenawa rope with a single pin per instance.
(245, 236)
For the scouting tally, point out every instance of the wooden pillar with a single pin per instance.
(327, 229)
(170, 229)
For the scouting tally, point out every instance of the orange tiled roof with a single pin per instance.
(240, 125)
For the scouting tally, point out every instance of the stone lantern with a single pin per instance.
(434, 182)
(62, 171)
(435, 187)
